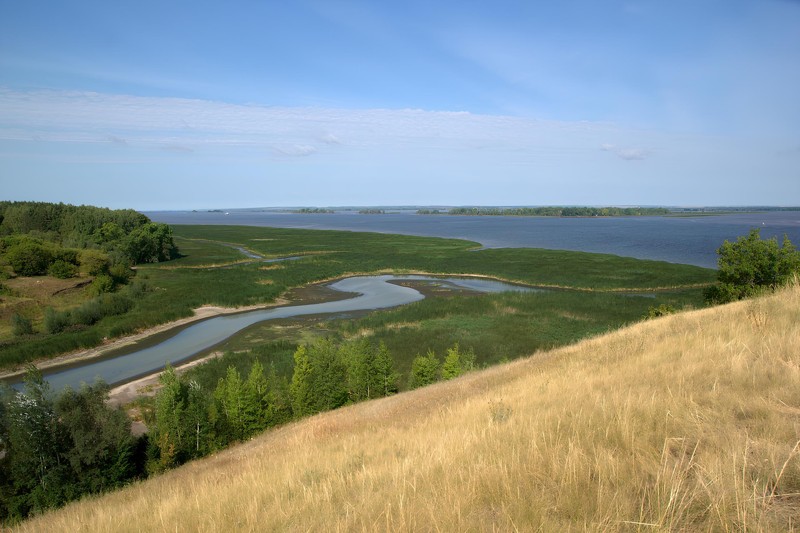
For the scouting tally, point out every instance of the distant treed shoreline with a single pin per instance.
(550, 211)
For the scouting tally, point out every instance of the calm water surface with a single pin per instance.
(370, 292)
(689, 240)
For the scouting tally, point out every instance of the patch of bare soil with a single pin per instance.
(43, 287)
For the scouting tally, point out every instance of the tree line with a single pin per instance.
(38, 238)
(555, 211)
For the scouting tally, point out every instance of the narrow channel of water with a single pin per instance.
(372, 292)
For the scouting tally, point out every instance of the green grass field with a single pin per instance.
(211, 272)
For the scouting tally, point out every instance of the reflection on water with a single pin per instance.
(373, 293)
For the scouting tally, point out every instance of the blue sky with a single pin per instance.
(194, 104)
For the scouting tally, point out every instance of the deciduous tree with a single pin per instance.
(752, 265)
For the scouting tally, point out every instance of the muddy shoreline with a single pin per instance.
(314, 293)
(123, 393)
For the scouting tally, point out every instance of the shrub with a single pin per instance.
(457, 362)
(21, 325)
(114, 304)
(120, 273)
(28, 258)
(93, 262)
(137, 289)
(55, 321)
(88, 313)
(751, 266)
(661, 310)
(62, 269)
(102, 284)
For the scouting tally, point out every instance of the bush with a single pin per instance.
(751, 266)
(120, 273)
(102, 284)
(661, 310)
(93, 262)
(67, 255)
(56, 322)
(87, 314)
(137, 289)
(28, 258)
(21, 325)
(114, 304)
(62, 269)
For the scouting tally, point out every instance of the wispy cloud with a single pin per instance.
(330, 138)
(294, 150)
(628, 154)
(169, 122)
(177, 148)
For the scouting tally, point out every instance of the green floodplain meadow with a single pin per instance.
(587, 294)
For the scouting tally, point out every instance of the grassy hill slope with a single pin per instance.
(689, 422)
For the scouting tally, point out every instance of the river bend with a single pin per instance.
(371, 292)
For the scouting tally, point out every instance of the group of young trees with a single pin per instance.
(427, 369)
(188, 421)
(57, 448)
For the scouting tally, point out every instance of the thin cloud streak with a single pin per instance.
(73, 116)
(348, 155)
(628, 154)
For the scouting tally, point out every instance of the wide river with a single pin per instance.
(689, 240)
(369, 293)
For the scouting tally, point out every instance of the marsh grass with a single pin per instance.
(688, 422)
(501, 326)
(197, 279)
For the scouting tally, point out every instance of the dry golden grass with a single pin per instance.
(688, 422)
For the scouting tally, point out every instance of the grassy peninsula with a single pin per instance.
(687, 422)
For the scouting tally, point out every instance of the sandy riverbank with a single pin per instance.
(201, 313)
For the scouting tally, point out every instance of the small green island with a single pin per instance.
(313, 211)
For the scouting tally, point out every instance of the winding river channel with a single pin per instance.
(369, 293)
